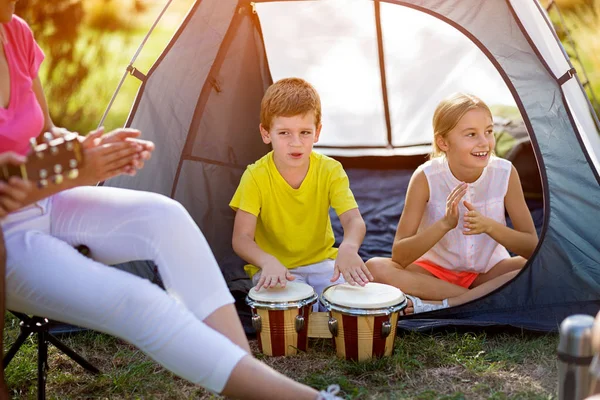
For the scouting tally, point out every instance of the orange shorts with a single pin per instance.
(460, 278)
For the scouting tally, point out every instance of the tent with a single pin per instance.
(380, 67)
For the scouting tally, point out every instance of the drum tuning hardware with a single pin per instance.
(74, 173)
(58, 179)
(257, 323)
(333, 326)
(299, 323)
(386, 329)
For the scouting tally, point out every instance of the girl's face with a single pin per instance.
(7, 9)
(471, 142)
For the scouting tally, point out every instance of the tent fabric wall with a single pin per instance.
(200, 105)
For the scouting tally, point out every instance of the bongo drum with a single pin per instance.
(363, 320)
(280, 317)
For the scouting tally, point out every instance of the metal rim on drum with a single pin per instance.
(278, 305)
(362, 311)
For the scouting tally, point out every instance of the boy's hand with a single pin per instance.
(451, 217)
(272, 274)
(14, 191)
(349, 264)
(475, 222)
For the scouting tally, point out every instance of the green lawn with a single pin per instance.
(423, 366)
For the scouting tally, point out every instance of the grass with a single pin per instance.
(423, 366)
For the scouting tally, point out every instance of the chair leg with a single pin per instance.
(15, 347)
(71, 353)
(39, 325)
(42, 364)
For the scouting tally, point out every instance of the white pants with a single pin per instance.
(46, 276)
(316, 275)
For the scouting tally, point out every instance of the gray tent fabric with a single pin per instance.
(200, 105)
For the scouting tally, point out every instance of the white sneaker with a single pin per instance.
(330, 393)
(419, 306)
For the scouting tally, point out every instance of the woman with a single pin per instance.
(192, 328)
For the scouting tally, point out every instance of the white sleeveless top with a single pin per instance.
(455, 251)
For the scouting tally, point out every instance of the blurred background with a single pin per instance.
(89, 43)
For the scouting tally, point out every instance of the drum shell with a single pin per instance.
(278, 335)
(359, 337)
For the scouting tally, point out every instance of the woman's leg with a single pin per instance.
(48, 277)
(45, 276)
(120, 225)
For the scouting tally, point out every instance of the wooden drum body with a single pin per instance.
(281, 316)
(363, 320)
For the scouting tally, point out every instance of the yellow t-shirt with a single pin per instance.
(293, 225)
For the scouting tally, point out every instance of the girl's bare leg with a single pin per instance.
(413, 280)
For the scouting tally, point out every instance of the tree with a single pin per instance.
(73, 38)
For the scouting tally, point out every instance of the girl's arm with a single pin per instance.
(521, 240)
(408, 244)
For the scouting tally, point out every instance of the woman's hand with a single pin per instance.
(107, 160)
(130, 135)
(475, 222)
(14, 191)
(451, 218)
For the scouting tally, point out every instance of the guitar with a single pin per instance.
(49, 162)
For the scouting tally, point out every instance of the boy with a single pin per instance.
(282, 226)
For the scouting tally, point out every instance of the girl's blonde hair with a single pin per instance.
(449, 112)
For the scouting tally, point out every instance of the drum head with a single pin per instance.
(293, 291)
(371, 296)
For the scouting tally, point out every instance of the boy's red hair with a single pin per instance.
(287, 98)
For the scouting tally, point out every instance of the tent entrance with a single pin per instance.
(380, 69)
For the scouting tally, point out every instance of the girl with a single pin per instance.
(192, 328)
(451, 243)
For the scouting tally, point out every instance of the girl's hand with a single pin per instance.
(475, 222)
(14, 191)
(273, 274)
(107, 160)
(451, 217)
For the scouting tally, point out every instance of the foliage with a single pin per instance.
(73, 38)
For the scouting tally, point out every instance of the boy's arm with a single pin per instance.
(273, 272)
(523, 239)
(348, 263)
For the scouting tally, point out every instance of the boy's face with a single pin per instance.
(292, 139)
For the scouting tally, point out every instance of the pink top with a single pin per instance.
(24, 118)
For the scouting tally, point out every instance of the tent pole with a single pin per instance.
(386, 106)
(130, 68)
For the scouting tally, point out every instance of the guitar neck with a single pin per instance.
(48, 162)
